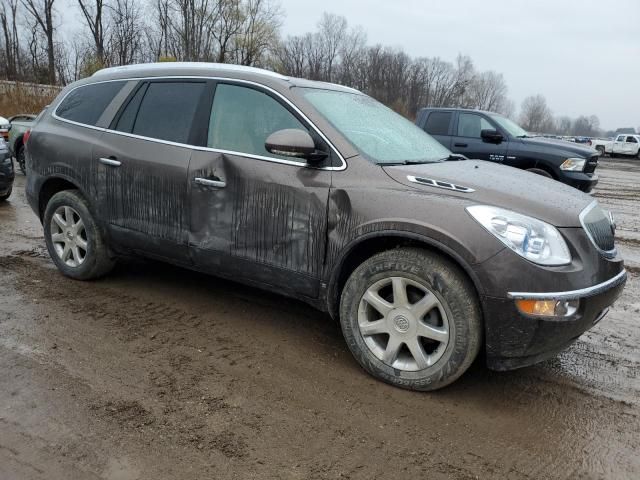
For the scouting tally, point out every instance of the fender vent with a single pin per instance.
(430, 182)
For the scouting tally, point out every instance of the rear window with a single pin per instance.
(438, 123)
(166, 111)
(86, 104)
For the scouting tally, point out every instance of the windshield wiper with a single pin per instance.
(454, 157)
(524, 136)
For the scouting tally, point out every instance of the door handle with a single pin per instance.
(460, 144)
(210, 183)
(112, 162)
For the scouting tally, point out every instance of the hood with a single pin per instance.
(500, 186)
(581, 150)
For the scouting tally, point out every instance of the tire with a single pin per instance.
(455, 310)
(600, 150)
(20, 158)
(539, 171)
(6, 196)
(74, 226)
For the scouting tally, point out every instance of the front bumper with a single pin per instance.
(517, 340)
(580, 180)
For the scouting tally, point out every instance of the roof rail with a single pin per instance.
(229, 67)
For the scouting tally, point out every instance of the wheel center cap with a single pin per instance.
(70, 235)
(401, 323)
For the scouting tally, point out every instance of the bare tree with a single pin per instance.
(42, 13)
(125, 39)
(535, 115)
(8, 23)
(260, 31)
(487, 91)
(94, 15)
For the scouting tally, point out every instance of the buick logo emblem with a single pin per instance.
(401, 323)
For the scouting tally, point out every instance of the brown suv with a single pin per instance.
(318, 192)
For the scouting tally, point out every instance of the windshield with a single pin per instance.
(512, 128)
(376, 131)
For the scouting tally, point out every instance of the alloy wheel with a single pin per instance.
(403, 323)
(69, 236)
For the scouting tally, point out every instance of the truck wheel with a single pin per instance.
(20, 158)
(411, 318)
(539, 171)
(73, 239)
(6, 195)
(600, 150)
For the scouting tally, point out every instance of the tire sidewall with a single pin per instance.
(444, 282)
(72, 198)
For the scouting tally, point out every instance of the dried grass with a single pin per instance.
(18, 98)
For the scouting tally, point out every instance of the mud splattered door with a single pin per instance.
(256, 216)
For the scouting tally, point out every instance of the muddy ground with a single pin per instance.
(161, 373)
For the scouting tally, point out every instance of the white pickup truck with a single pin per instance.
(623, 144)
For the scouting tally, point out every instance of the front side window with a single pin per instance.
(632, 140)
(166, 111)
(438, 123)
(471, 125)
(87, 103)
(377, 132)
(242, 118)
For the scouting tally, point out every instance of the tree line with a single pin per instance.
(248, 32)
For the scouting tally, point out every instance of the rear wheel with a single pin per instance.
(20, 158)
(539, 171)
(411, 318)
(73, 239)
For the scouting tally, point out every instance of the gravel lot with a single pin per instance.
(161, 373)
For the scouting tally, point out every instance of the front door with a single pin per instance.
(255, 216)
(468, 140)
(618, 144)
(631, 145)
(143, 161)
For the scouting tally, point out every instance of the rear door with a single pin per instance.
(143, 160)
(256, 216)
(468, 141)
(439, 126)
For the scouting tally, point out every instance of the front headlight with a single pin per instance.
(573, 164)
(529, 237)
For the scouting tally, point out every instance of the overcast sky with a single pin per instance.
(582, 55)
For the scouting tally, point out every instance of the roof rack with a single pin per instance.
(184, 65)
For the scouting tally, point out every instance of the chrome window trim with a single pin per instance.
(606, 253)
(343, 165)
(573, 294)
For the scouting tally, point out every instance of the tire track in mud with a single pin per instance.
(134, 319)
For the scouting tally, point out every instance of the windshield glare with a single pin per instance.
(511, 127)
(377, 132)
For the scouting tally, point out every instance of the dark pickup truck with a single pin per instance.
(489, 136)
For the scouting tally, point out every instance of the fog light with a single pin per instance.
(548, 308)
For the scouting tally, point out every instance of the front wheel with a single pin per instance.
(73, 238)
(6, 195)
(411, 318)
(539, 171)
(600, 150)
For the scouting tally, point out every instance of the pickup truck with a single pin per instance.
(19, 125)
(489, 136)
(623, 144)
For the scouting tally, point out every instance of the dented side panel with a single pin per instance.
(267, 224)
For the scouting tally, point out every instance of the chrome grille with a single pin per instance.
(599, 228)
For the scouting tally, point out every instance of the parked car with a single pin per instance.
(624, 145)
(6, 171)
(318, 192)
(490, 136)
(4, 128)
(20, 125)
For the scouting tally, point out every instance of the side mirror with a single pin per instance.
(491, 136)
(293, 142)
